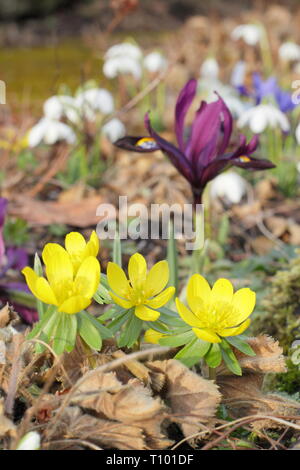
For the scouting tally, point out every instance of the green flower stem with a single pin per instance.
(212, 373)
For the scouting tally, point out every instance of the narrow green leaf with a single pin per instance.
(88, 332)
(117, 250)
(104, 332)
(177, 340)
(241, 345)
(116, 324)
(61, 333)
(113, 312)
(38, 269)
(230, 359)
(213, 357)
(192, 352)
(71, 327)
(40, 325)
(172, 257)
(131, 332)
(102, 295)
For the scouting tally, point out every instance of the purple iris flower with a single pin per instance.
(269, 87)
(204, 153)
(13, 258)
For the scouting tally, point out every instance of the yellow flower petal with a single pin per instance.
(198, 292)
(244, 302)
(137, 269)
(207, 335)
(122, 302)
(117, 279)
(157, 278)
(235, 331)
(187, 315)
(74, 304)
(75, 243)
(146, 313)
(152, 336)
(93, 245)
(88, 277)
(222, 291)
(39, 287)
(162, 298)
(59, 268)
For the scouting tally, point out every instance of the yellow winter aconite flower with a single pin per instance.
(217, 312)
(143, 290)
(70, 289)
(152, 336)
(79, 249)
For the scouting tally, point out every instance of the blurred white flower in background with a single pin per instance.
(238, 74)
(122, 66)
(60, 106)
(124, 58)
(155, 62)
(297, 133)
(263, 116)
(235, 105)
(31, 441)
(114, 129)
(289, 51)
(229, 186)
(93, 101)
(124, 49)
(210, 69)
(49, 132)
(250, 33)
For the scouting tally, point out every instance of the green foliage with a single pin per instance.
(16, 231)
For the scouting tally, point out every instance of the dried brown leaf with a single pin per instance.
(4, 316)
(268, 358)
(193, 399)
(7, 427)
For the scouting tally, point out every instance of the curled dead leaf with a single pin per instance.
(193, 400)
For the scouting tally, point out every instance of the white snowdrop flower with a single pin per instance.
(114, 129)
(93, 101)
(60, 106)
(124, 49)
(230, 186)
(250, 33)
(238, 74)
(263, 116)
(297, 133)
(122, 65)
(49, 132)
(31, 441)
(210, 69)
(155, 62)
(289, 51)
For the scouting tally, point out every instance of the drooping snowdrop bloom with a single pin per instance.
(122, 66)
(210, 69)
(124, 49)
(289, 51)
(250, 33)
(49, 132)
(114, 129)
(155, 62)
(124, 58)
(262, 117)
(93, 101)
(61, 106)
(230, 186)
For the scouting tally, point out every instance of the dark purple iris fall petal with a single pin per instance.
(203, 156)
(130, 143)
(183, 104)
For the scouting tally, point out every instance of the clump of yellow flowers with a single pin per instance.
(212, 322)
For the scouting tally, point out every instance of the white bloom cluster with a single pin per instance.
(264, 116)
(251, 34)
(127, 58)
